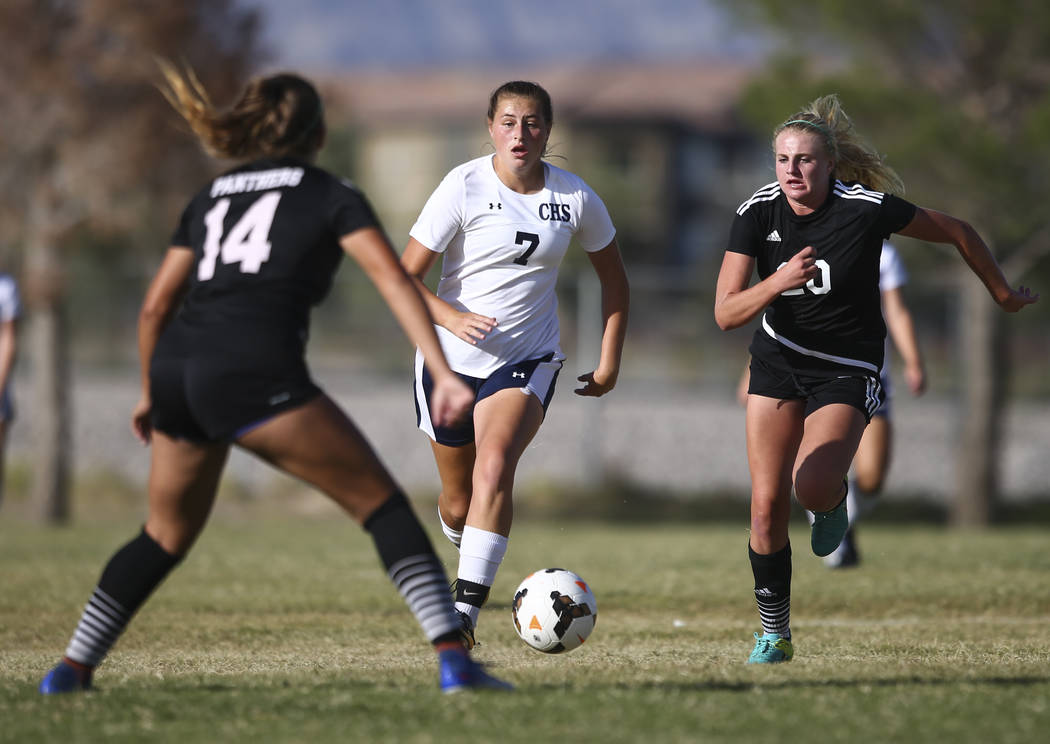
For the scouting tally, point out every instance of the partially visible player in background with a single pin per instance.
(503, 223)
(872, 461)
(815, 235)
(10, 310)
(222, 341)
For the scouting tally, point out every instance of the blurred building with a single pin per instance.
(660, 144)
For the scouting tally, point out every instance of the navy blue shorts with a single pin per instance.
(861, 390)
(7, 406)
(536, 376)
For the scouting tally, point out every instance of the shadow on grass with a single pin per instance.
(620, 501)
(786, 684)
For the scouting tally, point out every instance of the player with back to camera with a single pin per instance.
(872, 461)
(222, 335)
(815, 235)
(503, 223)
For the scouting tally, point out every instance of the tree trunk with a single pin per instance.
(983, 366)
(48, 343)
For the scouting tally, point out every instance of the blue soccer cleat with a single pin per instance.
(771, 649)
(459, 672)
(64, 677)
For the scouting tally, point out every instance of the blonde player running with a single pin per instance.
(503, 224)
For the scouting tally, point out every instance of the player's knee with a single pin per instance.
(454, 507)
(869, 483)
(763, 521)
(492, 470)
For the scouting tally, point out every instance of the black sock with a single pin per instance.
(128, 579)
(773, 589)
(410, 561)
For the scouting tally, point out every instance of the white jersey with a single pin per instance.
(502, 251)
(10, 307)
(892, 275)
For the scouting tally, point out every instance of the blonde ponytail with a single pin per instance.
(855, 159)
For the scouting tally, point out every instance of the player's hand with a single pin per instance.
(451, 401)
(915, 376)
(799, 269)
(470, 327)
(1017, 299)
(596, 383)
(140, 420)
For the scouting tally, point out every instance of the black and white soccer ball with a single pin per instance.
(554, 610)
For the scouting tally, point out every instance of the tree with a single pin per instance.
(88, 147)
(958, 92)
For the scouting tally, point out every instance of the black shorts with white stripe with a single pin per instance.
(859, 389)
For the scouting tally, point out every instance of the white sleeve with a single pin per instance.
(892, 273)
(10, 307)
(596, 226)
(442, 215)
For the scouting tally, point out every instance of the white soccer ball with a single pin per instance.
(554, 610)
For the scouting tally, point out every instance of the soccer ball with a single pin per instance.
(554, 610)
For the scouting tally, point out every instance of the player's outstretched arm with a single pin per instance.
(937, 227)
(162, 298)
(369, 247)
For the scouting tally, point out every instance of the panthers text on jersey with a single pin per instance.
(266, 241)
(501, 251)
(835, 321)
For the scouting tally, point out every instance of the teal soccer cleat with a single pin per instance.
(828, 529)
(771, 649)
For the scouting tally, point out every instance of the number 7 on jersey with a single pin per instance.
(526, 238)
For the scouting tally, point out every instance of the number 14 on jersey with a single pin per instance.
(248, 242)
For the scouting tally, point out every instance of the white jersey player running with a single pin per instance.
(503, 224)
(872, 461)
(10, 311)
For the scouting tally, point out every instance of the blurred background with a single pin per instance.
(665, 108)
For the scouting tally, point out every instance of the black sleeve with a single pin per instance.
(349, 210)
(181, 236)
(745, 237)
(895, 215)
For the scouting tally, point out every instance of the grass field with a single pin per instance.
(287, 631)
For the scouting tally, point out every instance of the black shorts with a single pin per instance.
(861, 390)
(534, 376)
(207, 398)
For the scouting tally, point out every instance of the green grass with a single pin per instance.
(286, 630)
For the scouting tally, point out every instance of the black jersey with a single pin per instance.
(835, 322)
(266, 240)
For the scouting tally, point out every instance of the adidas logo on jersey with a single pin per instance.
(773, 237)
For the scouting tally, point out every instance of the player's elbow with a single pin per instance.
(155, 312)
(725, 319)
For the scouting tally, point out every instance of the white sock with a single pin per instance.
(454, 536)
(859, 503)
(480, 555)
(853, 502)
